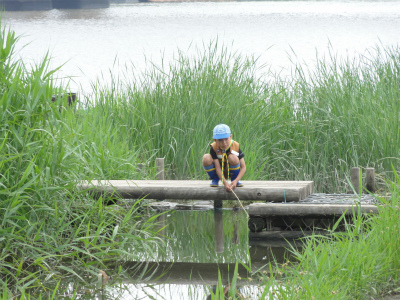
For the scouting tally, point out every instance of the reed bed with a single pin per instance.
(314, 125)
(49, 230)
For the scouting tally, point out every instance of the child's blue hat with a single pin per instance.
(221, 131)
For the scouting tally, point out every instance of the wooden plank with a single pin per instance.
(279, 209)
(276, 191)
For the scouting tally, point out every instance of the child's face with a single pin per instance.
(224, 143)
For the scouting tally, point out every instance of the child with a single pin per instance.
(225, 159)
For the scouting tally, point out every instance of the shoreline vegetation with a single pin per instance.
(315, 125)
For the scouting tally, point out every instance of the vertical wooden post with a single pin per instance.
(217, 204)
(370, 179)
(140, 169)
(219, 231)
(355, 179)
(160, 168)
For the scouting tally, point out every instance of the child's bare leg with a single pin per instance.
(233, 159)
(207, 160)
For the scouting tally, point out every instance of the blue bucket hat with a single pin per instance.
(221, 131)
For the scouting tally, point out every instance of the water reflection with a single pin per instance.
(219, 236)
(219, 231)
(201, 249)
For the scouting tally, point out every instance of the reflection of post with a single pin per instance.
(161, 225)
(219, 231)
(236, 227)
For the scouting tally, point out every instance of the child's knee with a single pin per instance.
(207, 160)
(233, 159)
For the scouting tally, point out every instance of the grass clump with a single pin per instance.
(48, 229)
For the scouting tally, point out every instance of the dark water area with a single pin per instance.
(200, 248)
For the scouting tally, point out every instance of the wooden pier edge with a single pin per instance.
(269, 191)
(304, 210)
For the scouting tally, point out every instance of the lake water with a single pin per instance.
(200, 247)
(92, 42)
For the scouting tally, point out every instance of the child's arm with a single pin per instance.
(241, 173)
(219, 173)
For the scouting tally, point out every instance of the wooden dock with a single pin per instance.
(303, 216)
(268, 191)
(308, 210)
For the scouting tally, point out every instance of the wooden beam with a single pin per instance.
(270, 191)
(300, 210)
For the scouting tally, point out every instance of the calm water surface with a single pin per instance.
(199, 247)
(94, 41)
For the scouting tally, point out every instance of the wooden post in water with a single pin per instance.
(370, 179)
(217, 204)
(355, 179)
(160, 169)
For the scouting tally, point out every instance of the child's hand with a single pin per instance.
(233, 184)
(228, 187)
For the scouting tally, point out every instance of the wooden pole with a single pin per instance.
(217, 203)
(219, 231)
(355, 179)
(370, 179)
(140, 169)
(160, 169)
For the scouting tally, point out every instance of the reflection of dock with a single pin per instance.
(271, 191)
(264, 249)
(190, 273)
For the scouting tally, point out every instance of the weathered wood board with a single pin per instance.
(271, 191)
(309, 209)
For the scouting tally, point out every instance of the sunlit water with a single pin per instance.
(91, 42)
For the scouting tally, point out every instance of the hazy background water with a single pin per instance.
(94, 41)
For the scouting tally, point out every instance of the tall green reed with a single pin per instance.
(315, 125)
(49, 230)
